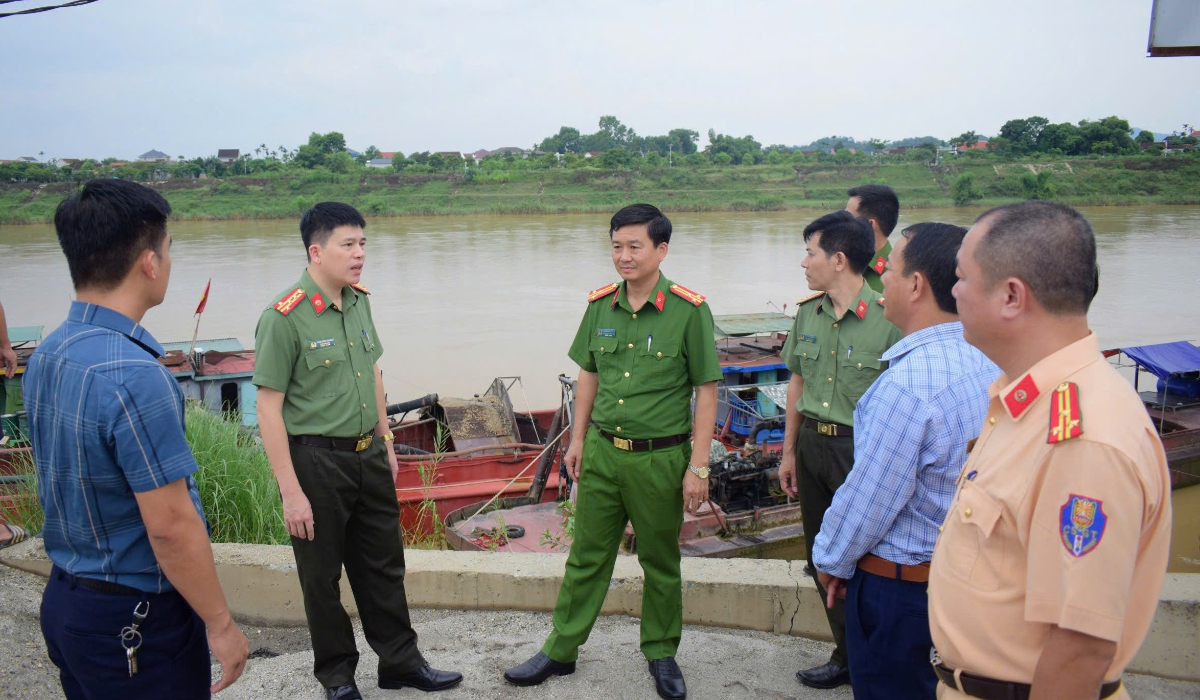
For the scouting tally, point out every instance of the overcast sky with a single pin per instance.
(119, 77)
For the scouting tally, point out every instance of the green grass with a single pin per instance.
(22, 506)
(237, 489)
(1133, 180)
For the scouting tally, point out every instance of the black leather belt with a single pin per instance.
(829, 429)
(644, 445)
(991, 689)
(357, 444)
(97, 585)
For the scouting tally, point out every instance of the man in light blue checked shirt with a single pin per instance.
(914, 429)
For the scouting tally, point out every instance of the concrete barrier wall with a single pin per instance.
(761, 594)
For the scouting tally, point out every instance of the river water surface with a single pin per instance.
(459, 300)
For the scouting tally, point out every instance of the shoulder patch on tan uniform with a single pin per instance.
(810, 298)
(361, 288)
(696, 299)
(602, 292)
(1066, 421)
(286, 304)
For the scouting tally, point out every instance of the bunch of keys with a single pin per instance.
(131, 638)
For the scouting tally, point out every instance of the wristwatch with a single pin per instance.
(388, 437)
(701, 472)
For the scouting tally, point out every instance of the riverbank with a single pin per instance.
(1108, 181)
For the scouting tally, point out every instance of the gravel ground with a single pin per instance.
(717, 663)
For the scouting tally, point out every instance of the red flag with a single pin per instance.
(204, 298)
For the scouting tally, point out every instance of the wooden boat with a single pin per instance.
(748, 514)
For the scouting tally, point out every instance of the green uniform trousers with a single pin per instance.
(357, 523)
(615, 487)
(822, 465)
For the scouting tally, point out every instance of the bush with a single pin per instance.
(965, 190)
(237, 489)
(1039, 186)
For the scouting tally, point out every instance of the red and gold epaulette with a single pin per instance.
(696, 299)
(1066, 422)
(361, 288)
(602, 292)
(810, 297)
(286, 304)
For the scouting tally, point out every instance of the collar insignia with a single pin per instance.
(880, 265)
(1022, 395)
(861, 310)
(318, 303)
(659, 301)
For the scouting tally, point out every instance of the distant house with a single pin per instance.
(510, 149)
(117, 164)
(72, 163)
(387, 154)
(450, 154)
(981, 145)
(808, 153)
(227, 155)
(153, 156)
(897, 151)
(28, 159)
(1195, 134)
(480, 154)
(593, 154)
(380, 163)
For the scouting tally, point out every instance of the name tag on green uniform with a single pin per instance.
(606, 332)
(806, 337)
(326, 343)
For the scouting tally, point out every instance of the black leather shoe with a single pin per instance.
(426, 678)
(668, 679)
(828, 676)
(538, 669)
(343, 692)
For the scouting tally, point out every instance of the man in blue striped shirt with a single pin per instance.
(913, 429)
(123, 524)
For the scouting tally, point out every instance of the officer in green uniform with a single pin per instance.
(834, 354)
(325, 430)
(643, 345)
(879, 205)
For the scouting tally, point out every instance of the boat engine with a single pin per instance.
(740, 483)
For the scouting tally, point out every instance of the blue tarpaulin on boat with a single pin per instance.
(1166, 359)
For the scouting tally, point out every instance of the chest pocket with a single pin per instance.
(976, 552)
(329, 373)
(662, 366)
(857, 372)
(805, 356)
(604, 350)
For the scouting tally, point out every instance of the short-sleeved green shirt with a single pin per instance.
(321, 355)
(648, 359)
(874, 272)
(838, 358)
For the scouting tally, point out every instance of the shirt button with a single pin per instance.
(860, 365)
(327, 362)
(360, 374)
(635, 315)
(831, 380)
(621, 401)
(992, 420)
(825, 405)
(618, 428)
(833, 352)
(631, 346)
(967, 512)
(601, 348)
(364, 405)
(352, 344)
(660, 354)
(626, 374)
(939, 528)
(835, 325)
(806, 356)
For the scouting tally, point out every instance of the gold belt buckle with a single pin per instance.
(364, 441)
(623, 444)
(825, 429)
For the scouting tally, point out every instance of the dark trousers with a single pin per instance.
(357, 523)
(822, 464)
(82, 629)
(887, 635)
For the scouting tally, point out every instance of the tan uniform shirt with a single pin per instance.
(1062, 517)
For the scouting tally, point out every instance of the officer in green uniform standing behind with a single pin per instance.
(834, 354)
(644, 343)
(879, 205)
(325, 430)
